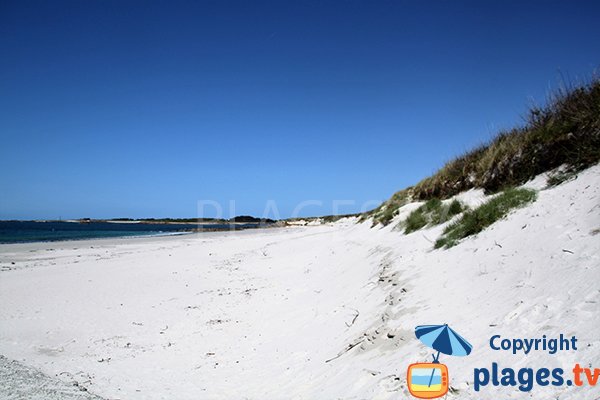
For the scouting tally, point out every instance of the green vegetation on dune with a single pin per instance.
(474, 221)
(559, 177)
(388, 210)
(433, 212)
(565, 132)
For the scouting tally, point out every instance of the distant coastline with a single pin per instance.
(50, 231)
(28, 231)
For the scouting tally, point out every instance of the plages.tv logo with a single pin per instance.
(431, 380)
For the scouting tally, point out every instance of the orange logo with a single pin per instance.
(427, 380)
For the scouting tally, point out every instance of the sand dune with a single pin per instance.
(304, 312)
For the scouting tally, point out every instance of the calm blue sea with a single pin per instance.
(30, 231)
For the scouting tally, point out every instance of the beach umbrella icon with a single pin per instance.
(443, 339)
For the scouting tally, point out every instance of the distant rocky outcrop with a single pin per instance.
(247, 219)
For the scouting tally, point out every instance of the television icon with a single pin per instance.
(427, 380)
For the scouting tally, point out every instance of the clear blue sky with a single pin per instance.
(141, 109)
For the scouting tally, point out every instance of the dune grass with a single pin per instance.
(388, 210)
(433, 212)
(559, 177)
(565, 132)
(474, 221)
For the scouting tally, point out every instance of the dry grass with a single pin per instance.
(566, 132)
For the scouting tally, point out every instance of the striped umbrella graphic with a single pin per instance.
(443, 339)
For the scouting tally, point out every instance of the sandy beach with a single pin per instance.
(302, 312)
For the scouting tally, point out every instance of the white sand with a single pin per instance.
(256, 314)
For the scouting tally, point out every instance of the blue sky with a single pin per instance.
(142, 109)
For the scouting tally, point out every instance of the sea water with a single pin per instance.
(35, 231)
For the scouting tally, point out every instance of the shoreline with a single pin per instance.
(119, 240)
(233, 227)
